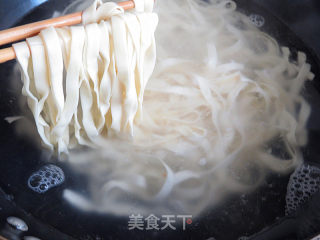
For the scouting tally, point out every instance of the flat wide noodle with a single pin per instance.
(85, 83)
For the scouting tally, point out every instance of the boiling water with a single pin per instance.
(100, 173)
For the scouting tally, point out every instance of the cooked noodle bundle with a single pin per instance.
(221, 96)
(86, 83)
(222, 109)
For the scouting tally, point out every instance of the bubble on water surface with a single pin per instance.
(303, 184)
(47, 177)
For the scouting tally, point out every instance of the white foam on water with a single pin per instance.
(303, 184)
(47, 177)
(257, 20)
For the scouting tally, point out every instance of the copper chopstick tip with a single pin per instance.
(7, 54)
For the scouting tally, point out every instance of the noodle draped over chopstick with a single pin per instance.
(85, 83)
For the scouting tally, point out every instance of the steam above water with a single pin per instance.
(222, 93)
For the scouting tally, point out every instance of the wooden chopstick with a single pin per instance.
(21, 32)
(18, 33)
(7, 54)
